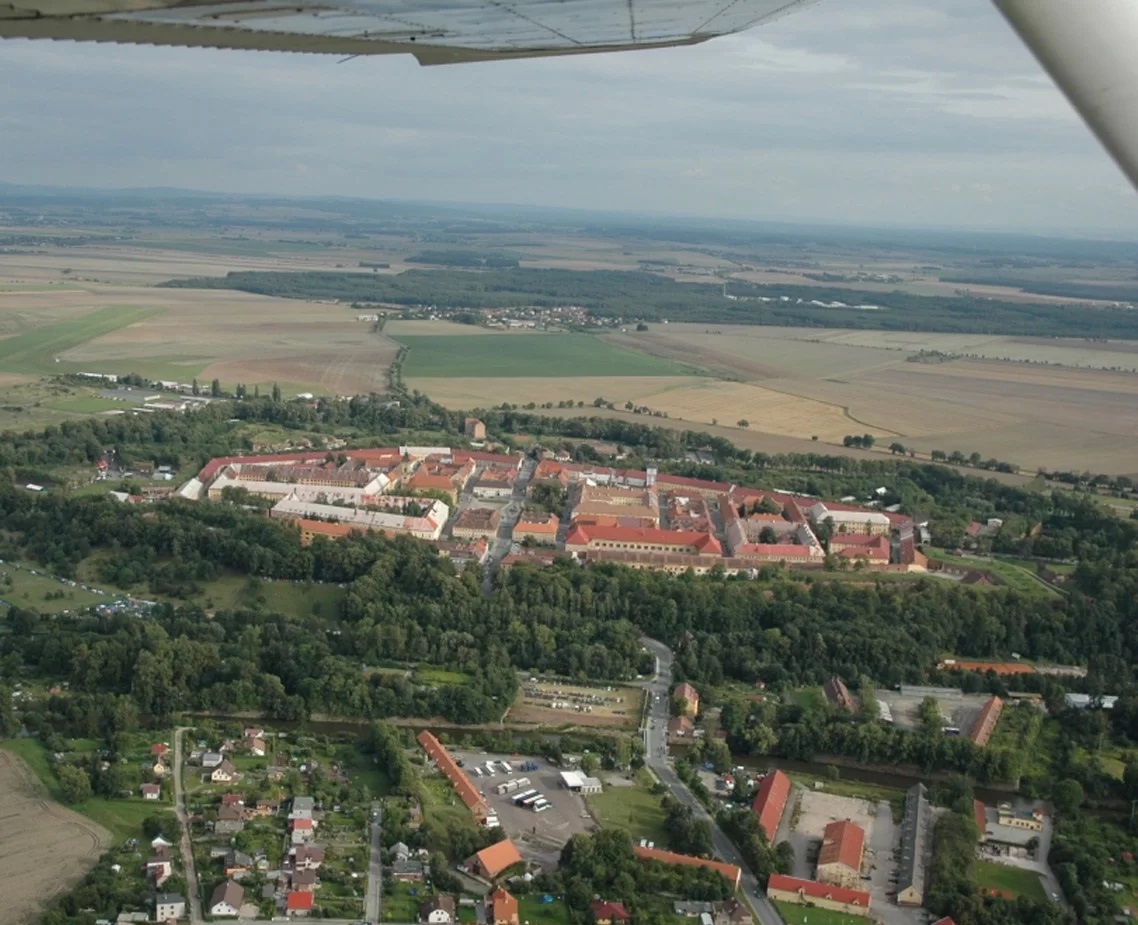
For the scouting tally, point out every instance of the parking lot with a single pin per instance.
(542, 833)
(960, 710)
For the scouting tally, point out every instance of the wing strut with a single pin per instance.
(1090, 49)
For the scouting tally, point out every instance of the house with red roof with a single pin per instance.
(689, 696)
(770, 802)
(812, 893)
(299, 903)
(839, 859)
(609, 913)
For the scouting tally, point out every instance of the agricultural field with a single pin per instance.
(46, 847)
(558, 704)
(180, 334)
(527, 355)
(1010, 880)
(1063, 404)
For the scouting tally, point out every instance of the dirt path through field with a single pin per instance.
(45, 848)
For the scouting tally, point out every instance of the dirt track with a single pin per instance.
(44, 847)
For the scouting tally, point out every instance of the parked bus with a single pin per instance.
(507, 767)
(525, 796)
(529, 801)
(541, 806)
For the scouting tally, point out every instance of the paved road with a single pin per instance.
(184, 823)
(503, 542)
(373, 904)
(656, 756)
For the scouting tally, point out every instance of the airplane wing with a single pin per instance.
(1086, 45)
(434, 31)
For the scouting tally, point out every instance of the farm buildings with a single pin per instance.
(770, 802)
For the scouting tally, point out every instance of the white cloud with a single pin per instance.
(918, 112)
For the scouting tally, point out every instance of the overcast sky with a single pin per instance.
(912, 112)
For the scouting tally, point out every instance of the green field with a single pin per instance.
(1010, 879)
(122, 817)
(439, 676)
(794, 914)
(635, 809)
(28, 591)
(88, 404)
(35, 351)
(527, 355)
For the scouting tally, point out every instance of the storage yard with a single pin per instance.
(555, 703)
(516, 807)
(960, 711)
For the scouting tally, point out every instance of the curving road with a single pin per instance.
(656, 757)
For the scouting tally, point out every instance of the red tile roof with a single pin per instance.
(302, 823)
(299, 901)
(770, 801)
(985, 723)
(980, 817)
(815, 890)
(497, 858)
(730, 871)
(609, 910)
(842, 843)
(466, 791)
(503, 907)
(686, 692)
(704, 542)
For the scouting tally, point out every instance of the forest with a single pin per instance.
(643, 296)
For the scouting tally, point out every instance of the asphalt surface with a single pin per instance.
(373, 905)
(184, 822)
(656, 757)
(504, 541)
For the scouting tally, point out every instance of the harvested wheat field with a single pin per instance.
(237, 337)
(44, 848)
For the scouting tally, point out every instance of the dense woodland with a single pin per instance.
(634, 295)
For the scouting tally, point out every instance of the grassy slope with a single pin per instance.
(1014, 576)
(122, 817)
(28, 591)
(527, 355)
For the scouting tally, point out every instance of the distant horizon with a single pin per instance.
(783, 223)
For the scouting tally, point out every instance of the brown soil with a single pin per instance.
(45, 849)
